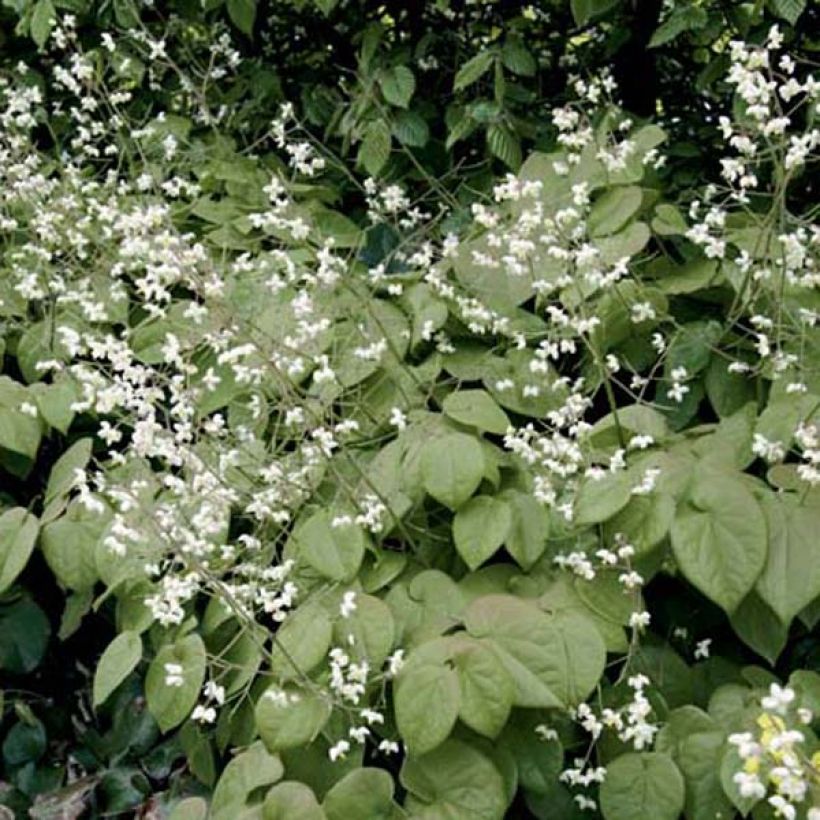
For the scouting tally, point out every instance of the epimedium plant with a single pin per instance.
(408, 505)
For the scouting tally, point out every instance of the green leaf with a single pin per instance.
(24, 633)
(699, 761)
(539, 761)
(192, 808)
(759, 627)
(291, 800)
(24, 743)
(645, 520)
(54, 403)
(505, 145)
(584, 10)
(374, 150)
(517, 58)
(335, 552)
(452, 467)
(692, 346)
(43, 18)
(553, 660)
(289, 717)
(727, 392)
(788, 10)
(600, 498)
(18, 534)
(529, 526)
(427, 699)
(719, 539)
(365, 793)
(684, 18)
(242, 14)
(398, 84)
(247, 772)
(476, 408)
(77, 606)
(730, 763)
(480, 527)
(454, 781)
(473, 69)
(120, 658)
(371, 628)
(669, 221)
(411, 129)
(613, 209)
(62, 476)
(646, 786)
(69, 545)
(487, 690)
(790, 579)
(302, 642)
(19, 433)
(171, 703)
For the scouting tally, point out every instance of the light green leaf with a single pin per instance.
(365, 793)
(374, 150)
(247, 772)
(454, 781)
(553, 660)
(18, 534)
(645, 520)
(192, 808)
(645, 786)
(476, 408)
(398, 85)
(302, 642)
(669, 221)
(473, 69)
(118, 660)
(335, 552)
(291, 800)
(719, 538)
(452, 467)
(613, 209)
(427, 699)
(43, 18)
(54, 403)
(480, 527)
(62, 476)
(372, 629)
(487, 690)
(790, 579)
(600, 498)
(289, 717)
(171, 703)
(529, 526)
(19, 433)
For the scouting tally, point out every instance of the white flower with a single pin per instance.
(348, 605)
(778, 700)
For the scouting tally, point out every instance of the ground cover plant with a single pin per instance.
(409, 410)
